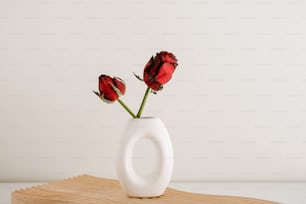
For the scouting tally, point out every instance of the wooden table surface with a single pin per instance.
(90, 189)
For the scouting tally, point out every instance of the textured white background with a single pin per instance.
(235, 108)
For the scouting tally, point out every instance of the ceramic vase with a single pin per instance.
(156, 183)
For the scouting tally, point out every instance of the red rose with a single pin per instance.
(110, 89)
(158, 71)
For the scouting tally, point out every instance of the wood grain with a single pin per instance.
(94, 190)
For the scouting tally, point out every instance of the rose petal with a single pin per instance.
(165, 73)
(168, 57)
(120, 85)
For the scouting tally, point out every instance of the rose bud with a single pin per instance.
(110, 89)
(158, 71)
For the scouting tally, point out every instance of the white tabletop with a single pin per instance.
(283, 192)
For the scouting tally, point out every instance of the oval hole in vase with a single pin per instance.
(146, 159)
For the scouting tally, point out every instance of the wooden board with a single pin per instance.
(93, 190)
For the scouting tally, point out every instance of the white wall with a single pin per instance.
(235, 108)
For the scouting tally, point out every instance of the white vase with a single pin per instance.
(156, 183)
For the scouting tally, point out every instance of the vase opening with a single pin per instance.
(145, 117)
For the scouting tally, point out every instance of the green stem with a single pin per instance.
(126, 108)
(143, 102)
